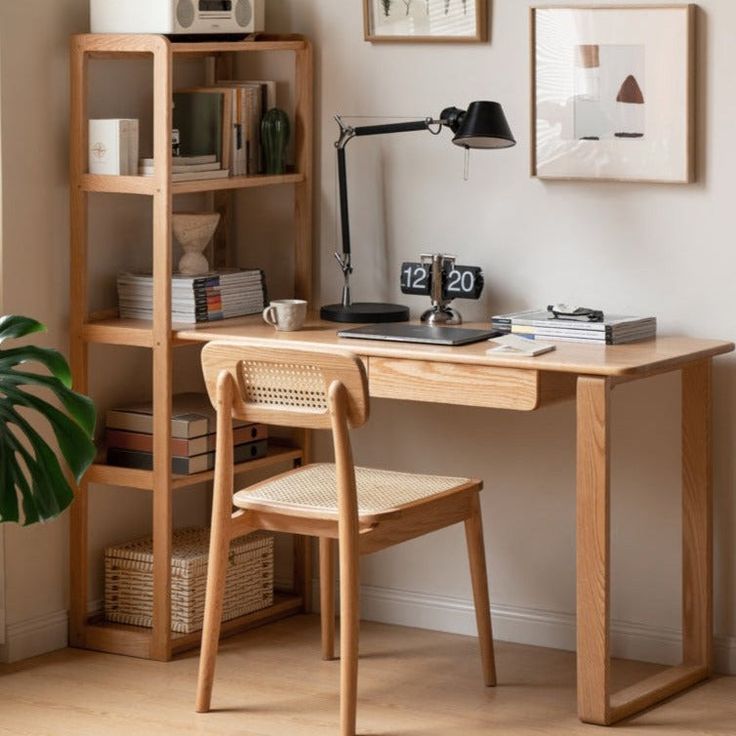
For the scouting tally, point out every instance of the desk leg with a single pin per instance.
(697, 516)
(596, 704)
(593, 549)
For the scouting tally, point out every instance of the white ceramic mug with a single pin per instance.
(286, 315)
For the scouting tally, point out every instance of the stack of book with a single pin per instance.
(129, 436)
(209, 298)
(223, 120)
(613, 330)
(188, 168)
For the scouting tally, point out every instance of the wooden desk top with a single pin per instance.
(635, 360)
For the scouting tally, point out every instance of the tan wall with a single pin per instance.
(658, 249)
(33, 45)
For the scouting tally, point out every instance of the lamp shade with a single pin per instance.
(484, 125)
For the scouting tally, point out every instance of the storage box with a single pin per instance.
(129, 579)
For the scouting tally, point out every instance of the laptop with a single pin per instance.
(403, 332)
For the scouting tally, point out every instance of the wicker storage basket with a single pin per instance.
(129, 579)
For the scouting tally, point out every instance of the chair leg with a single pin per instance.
(349, 633)
(479, 575)
(327, 596)
(216, 573)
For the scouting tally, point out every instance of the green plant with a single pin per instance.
(29, 467)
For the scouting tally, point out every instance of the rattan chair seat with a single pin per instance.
(314, 488)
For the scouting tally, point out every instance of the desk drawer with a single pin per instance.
(454, 383)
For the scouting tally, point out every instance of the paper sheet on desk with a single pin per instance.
(516, 346)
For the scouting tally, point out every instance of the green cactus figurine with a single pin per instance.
(275, 132)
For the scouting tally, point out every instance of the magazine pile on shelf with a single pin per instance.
(208, 298)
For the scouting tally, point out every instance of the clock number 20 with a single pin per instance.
(460, 282)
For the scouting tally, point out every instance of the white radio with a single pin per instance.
(173, 17)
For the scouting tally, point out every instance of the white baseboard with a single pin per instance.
(35, 636)
(530, 626)
(439, 613)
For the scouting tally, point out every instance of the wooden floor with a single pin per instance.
(271, 682)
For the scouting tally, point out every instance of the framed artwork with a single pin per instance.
(612, 92)
(449, 21)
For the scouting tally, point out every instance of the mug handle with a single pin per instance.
(270, 316)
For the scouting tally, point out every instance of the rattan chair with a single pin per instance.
(366, 510)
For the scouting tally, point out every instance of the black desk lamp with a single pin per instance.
(482, 126)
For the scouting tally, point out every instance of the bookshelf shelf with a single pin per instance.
(135, 641)
(112, 475)
(160, 335)
(124, 46)
(235, 182)
(146, 185)
(139, 333)
(118, 184)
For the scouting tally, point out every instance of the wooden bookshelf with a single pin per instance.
(160, 335)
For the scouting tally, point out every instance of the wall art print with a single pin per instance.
(612, 93)
(426, 20)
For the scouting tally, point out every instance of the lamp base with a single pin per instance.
(370, 312)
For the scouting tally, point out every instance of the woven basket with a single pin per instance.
(129, 579)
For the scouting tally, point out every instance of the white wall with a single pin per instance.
(667, 250)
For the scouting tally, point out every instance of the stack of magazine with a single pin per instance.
(541, 324)
(208, 298)
(188, 168)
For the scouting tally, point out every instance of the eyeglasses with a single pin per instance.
(580, 314)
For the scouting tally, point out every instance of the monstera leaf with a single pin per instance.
(29, 468)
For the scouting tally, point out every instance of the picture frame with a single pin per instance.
(425, 21)
(613, 92)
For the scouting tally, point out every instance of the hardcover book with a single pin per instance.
(198, 116)
(142, 442)
(192, 416)
(185, 465)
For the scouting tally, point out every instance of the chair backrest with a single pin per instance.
(285, 386)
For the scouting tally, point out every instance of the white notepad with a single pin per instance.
(515, 345)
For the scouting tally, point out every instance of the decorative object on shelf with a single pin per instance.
(129, 579)
(194, 231)
(612, 93)
(483, 126)
(113, 147)
(286, 315)
(449, 21)
(275, 133)
(438, 277)
(30, 468)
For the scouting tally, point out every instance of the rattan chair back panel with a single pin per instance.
(282, 386)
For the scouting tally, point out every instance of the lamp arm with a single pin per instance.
(347, 133)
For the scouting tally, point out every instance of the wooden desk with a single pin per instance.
(468, 376)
